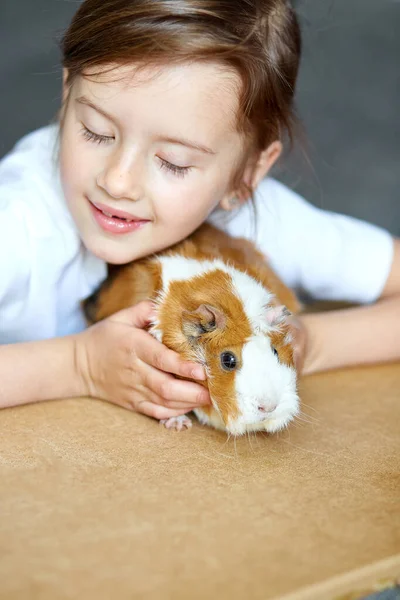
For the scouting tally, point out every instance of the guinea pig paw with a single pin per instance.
(178, 423)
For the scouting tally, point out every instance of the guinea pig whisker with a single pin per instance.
(308, 406)
(289, 443)
(309, 418)
(234, 439)
(254, 435)
(300, 421)
(298, 424)
(228, 437)
(249, 438)
(305, 417)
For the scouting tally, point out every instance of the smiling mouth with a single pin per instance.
(107, 214)
(115, 213)
(119, 223)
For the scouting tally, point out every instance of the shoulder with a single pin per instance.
(277, 210)
(323, 254)
(283, 204)
(30, 186)
(34, 151)
(272, 200)
(30, 202)
(32, 159)
(329, 255)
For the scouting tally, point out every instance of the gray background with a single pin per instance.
(347, 97)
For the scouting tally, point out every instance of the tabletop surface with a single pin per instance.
(98, 502)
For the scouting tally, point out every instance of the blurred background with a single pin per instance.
(347, 97)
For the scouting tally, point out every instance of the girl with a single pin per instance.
(173, 113)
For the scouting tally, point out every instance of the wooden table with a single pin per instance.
(97, 502)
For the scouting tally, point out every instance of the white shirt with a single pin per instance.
(45, 271)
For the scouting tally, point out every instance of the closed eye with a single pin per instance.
(179, 171)
(104, 139)
(95, 137)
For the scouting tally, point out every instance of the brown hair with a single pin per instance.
(259, 39)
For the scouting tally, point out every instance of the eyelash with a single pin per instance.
(104, 139)
(178, 171)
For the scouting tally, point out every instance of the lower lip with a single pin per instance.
(113, 224)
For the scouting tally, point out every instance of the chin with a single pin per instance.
(272, 425)
(104, 249)
(240, 426)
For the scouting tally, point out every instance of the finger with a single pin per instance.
(157, 355)
(172, 392)
(154, 398)
(139, 315)
(158, 412)
(292, 321)
(298, 357)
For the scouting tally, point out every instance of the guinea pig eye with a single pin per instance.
(228, 361)
(275, 351)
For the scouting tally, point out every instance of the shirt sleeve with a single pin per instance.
(15, 263)
(324, 255)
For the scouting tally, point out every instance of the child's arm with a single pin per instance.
(360, 335)
(35, 371)
(115, 360)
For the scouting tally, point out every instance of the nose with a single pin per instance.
(121, 178)
(268, 407)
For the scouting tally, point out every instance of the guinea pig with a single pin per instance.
(218, 303)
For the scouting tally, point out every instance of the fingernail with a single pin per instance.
(198, 373)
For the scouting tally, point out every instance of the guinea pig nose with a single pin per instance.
(267, 408)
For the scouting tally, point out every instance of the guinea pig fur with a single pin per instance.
(218, 304)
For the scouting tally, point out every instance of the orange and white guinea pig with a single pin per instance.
(219, 304)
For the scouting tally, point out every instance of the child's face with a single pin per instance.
(166, 155)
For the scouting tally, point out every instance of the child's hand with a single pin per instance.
(299, 333)
(120, 362)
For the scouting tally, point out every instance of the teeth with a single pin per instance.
(113, 216)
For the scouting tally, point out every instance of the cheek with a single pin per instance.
(75, 165)
(190, 200)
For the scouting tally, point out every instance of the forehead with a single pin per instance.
(205, 94)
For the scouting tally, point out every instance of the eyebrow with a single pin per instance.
(170, 140)
(84, 100)
(189, 144)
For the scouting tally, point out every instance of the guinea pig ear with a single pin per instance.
(204, 319)
(276, 314)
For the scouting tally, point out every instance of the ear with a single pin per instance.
(65, 86)
(266, 159)
(255, 170)
(276, 315)
(204, 319)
